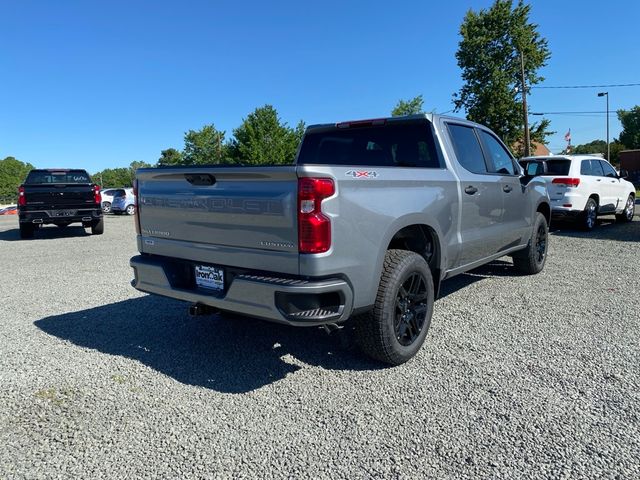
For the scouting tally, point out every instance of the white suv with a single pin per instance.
(583, 187)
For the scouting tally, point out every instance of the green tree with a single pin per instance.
(114, 177)
(630, 120)
(204, 147)
(263, 139)
(12, 174)
(168, 157)
(489, 56)
(412, 106)
(136, 164)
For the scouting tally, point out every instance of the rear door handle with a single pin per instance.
(470, 190)
(507, 188)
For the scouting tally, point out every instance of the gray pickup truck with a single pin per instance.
(373, 216)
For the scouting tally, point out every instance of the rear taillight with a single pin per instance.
(135, 202)
(569, 182)
(314, 228)
(96, 194)
(22, 199)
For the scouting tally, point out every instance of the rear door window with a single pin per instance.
(591, 167)
(501, 160)
(585, 167)
(389, 145)
(596, 168)
(467, 147)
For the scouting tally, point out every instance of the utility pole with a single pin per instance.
(606, 94)
(525, 113)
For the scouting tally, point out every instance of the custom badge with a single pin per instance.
(362, 173)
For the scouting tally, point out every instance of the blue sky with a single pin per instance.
(100, 84)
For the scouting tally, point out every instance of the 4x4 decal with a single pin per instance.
(362, 173)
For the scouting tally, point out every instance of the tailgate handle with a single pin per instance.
(203, 179)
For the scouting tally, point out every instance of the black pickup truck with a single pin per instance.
(59, 197)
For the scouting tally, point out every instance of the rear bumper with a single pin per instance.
(560, 213)
(55, 216)
(292, 301)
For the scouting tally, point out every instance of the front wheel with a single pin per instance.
(629, 210)
(396, 328)
(106, 207)
(531, 260)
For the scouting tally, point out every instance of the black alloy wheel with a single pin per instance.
(411, 309)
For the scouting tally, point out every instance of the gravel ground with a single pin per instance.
(535, 377)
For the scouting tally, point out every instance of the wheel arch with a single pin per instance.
(421, 238)
(545, 209)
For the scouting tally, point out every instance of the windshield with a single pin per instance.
(57, 176)
(394, 144)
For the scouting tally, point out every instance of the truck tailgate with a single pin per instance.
(226, 215)
(58, 196)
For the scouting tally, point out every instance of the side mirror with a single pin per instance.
(623, 174)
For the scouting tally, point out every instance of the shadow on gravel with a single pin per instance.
(45, 233)
(497, 268)
(606, 229)
(230, 354)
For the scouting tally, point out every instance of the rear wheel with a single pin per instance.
(131, 209)
(396, 328)
(629, 210)
(589, 215)
(97, 228)
(531, 260)
(26, 230)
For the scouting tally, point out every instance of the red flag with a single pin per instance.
(567, 136)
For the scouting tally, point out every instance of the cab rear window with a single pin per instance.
(54, 176)
(390, 145)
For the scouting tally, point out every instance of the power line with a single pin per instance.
(586, 113)
(591, 86)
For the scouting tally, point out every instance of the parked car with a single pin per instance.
(59, 197)
(13, 210)
(366, 224)
(124, 201)
(107, 199)
(581, 187)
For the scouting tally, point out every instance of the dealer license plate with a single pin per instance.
(64, 213)
(210, 277)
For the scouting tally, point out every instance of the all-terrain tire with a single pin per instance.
(531, 260)
(395, 329)
(97, 228)
(26, 231)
